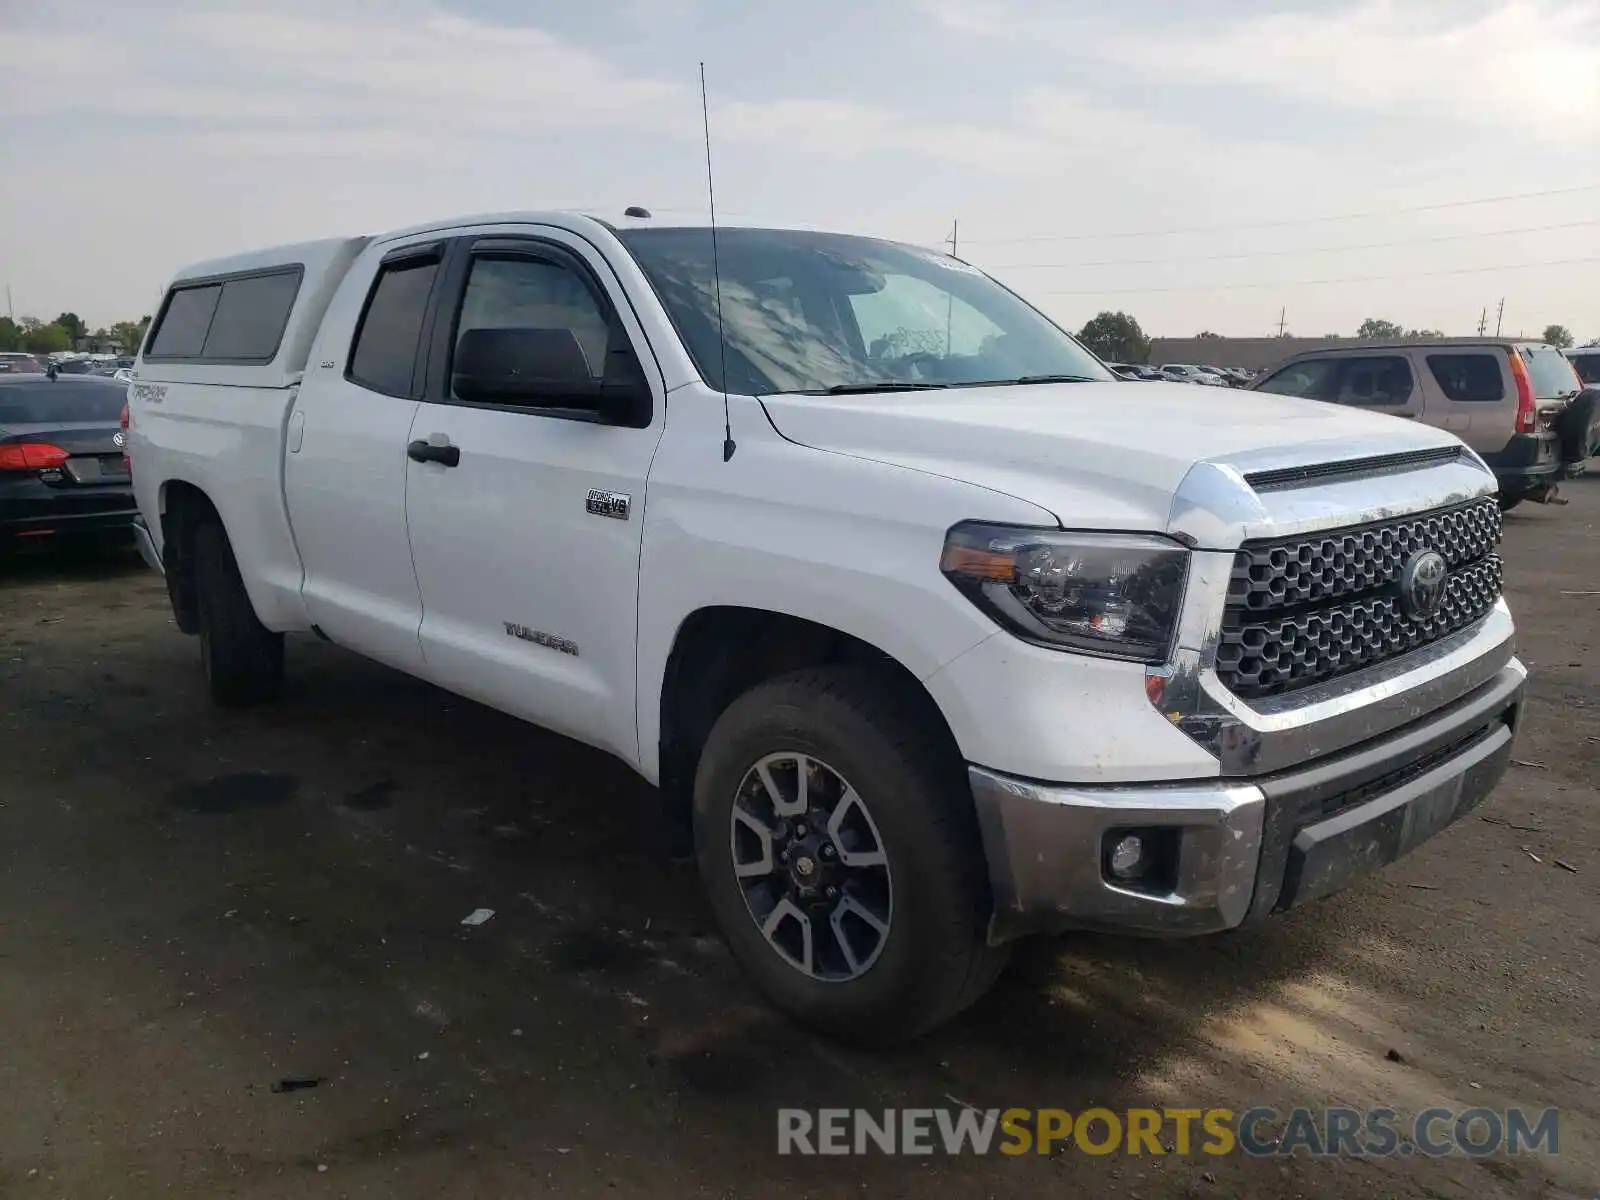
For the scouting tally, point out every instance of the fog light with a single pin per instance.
(1127, 857)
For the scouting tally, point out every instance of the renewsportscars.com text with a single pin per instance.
(1259, 1132)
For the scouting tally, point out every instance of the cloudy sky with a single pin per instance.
(1199, 163)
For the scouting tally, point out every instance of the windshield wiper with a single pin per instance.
(850, 389)
(1051, 379)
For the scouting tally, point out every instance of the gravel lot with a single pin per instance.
(195, 905)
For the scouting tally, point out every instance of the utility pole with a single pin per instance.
(949, 300)
(1282, 319)
(1499, 313)
(10, 312)
(1483, 321)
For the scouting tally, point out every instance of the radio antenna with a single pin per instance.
(728, 446)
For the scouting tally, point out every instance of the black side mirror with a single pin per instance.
(546, 368)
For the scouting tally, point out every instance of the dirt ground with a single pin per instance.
(198, 904)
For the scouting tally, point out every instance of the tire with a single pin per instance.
(933, 961)
(242, 659)
(1507, 503)
(1579, 426)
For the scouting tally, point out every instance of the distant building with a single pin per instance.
(89, 344)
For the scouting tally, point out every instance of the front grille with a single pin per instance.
(1301, 610)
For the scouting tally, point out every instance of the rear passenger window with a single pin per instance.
(385, 349)
(1468, 378)
(1374, 381)
(1312, 379)
(229, 320)
(185, 322)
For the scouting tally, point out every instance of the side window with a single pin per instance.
(529, 294)
(1374, 381)
(1468, 378)
(238, 319)
(1312, 379)
(385, 348)
(1588, 367)
(251, 316)
(184, 323)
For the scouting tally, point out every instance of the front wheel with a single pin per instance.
(1507, 503)
(840, 852)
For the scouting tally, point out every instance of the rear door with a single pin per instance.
(1472, 389)
(345, 468)
(1555, 380)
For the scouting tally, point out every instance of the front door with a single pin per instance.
(345, 465)
(526, 521)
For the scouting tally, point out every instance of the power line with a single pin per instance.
(1380, 212)
(1287, 283)
(1146, 262)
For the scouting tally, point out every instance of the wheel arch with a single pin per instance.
(721, 651)
(184, 507)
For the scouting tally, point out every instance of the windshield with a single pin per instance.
(60, 402)
(1553, 375)
(809, 312)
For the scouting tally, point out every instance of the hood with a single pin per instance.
(1096, 455)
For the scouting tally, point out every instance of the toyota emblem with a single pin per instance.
(1422, 584)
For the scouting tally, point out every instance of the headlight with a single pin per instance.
(1113, 594)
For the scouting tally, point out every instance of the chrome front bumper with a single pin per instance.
(1246, 847)
(147, 546)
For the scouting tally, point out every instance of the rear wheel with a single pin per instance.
(840, 852)
(243, 660)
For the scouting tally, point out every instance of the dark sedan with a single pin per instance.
(62, 470)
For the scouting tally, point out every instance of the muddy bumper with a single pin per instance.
(1195, 858)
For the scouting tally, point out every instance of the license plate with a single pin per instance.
(104, 468)
(1430, 812)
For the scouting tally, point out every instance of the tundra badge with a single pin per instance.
(608, 504)
(540, 638)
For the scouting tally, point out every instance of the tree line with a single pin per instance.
(34, 336)
(1117, 337)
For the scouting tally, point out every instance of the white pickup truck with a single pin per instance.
(932, 632)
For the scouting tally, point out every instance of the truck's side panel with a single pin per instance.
(221, 429)
(846, 543)
(226, 441)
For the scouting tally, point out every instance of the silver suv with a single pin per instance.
(1510, 400)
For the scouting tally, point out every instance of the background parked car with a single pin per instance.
(1137, 372)
(1188, 373)
(1586, 361)
(62, 471)
(16, 363)
(1511, 401)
